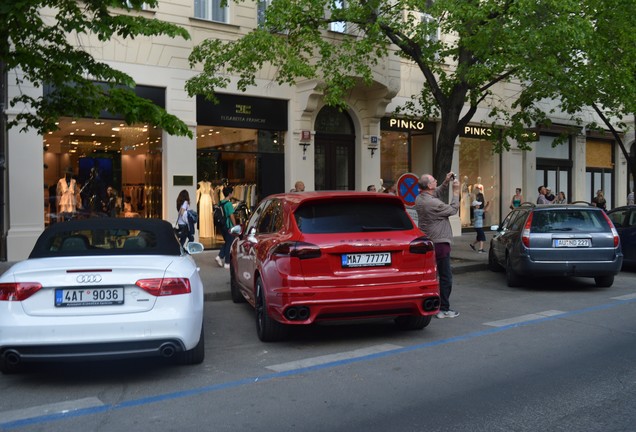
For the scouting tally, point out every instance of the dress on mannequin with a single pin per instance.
(478, 187)
(67, 195)
(465, 203)
(204, 200)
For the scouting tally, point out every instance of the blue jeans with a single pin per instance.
(445, 281)
(224, 253)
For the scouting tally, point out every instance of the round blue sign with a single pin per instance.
(408, 188)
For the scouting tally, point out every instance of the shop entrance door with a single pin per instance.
(334, 168)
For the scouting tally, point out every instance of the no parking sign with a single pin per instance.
(408, 188)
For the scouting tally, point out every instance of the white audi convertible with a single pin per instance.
(103, 288)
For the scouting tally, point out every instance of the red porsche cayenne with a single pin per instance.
(325, 256)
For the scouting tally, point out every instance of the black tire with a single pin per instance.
(235, 291)
(493, 265)
(194, 356)
(412, 322)
(604, 281)
(512, 278)
(267, 329)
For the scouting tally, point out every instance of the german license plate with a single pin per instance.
(89, 297)
(366, 259)
(568, 243)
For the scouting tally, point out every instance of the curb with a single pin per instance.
(468, 268)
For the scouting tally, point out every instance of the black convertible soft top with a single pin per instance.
(107, 236)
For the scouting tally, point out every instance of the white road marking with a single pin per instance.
(54, 408)
(524, 318)
(625, 297)
(314, 361)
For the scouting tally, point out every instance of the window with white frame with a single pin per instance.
(144, 6)
(339, 26)
(261, 6)
(428, 20)
(211, 10)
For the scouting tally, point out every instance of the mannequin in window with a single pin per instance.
(478, 187)
(204, 201)
(465, 203)
(67, 195)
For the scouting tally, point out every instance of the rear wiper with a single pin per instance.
(561, 229)
(376, 228)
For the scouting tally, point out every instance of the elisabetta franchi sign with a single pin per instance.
(243, 112)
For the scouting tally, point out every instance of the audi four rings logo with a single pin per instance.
(89, 278)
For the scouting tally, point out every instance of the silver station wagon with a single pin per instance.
(556, 240)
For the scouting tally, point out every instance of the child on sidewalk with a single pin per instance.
(478, 212)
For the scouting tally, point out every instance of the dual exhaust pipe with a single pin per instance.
(297, 313)
(431, 304)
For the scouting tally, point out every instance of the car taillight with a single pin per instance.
(525, 234)
(299, 250)
(165, 286)
(421, 245)
(18, 291)
(614, 232)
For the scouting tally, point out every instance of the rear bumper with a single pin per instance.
(96, 351)
(528, 267)
(160, 332)
(346, 303)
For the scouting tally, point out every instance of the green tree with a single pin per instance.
(35, 38)
(544, 49)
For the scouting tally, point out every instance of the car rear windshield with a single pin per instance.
(574, 220)
(351, 216)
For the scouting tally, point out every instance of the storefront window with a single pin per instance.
(406, 146)
(599, 169)
(478, 174)
(102, 167)
(237, 157)
(395, 156)
(554, 167)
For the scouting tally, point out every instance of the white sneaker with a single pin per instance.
(447, 314)
(227, 266)
(219, 261)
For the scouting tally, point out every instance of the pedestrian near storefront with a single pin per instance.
(479, 211)
(223, 258)
(599, 200)
(433, 213)
(183, 205)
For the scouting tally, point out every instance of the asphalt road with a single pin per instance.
(553, 356)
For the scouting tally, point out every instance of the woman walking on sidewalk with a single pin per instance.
(479, 212)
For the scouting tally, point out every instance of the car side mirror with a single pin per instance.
(495, 228)
(194, 248)
(236, 230)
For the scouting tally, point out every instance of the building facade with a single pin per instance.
(263, 141)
